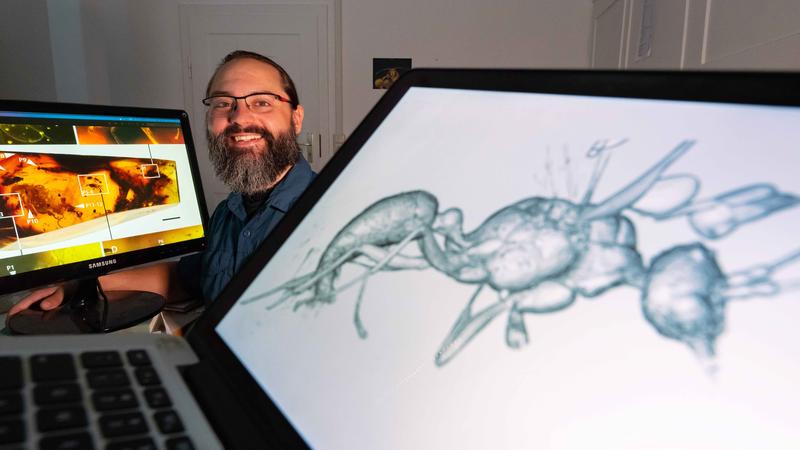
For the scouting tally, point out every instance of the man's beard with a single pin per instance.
(252, 171)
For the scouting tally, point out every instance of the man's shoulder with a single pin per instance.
(302, 173)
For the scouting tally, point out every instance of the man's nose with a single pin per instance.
(240, 109)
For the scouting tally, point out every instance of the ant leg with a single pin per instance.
(719, 216)
(382, 263)
(362, 332)
(630, 194)
(757, 281)
(516, 333)
(380, 257)
(385, 261)
(299, 284)
(305, 282)
(467, 326)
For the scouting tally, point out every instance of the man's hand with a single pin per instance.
(156, 277)
(48, 298)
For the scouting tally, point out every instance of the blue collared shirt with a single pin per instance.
(232, 238)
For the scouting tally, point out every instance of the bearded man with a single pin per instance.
(253, 118)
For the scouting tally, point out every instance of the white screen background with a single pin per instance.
(595, 375)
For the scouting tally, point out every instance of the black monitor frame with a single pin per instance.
(96, 267)
(779, 89)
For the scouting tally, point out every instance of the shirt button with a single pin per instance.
(247, 233)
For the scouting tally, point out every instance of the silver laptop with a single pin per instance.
(495, 259)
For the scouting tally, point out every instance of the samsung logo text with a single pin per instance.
(99, 264)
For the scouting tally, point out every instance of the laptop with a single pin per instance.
(494, 259)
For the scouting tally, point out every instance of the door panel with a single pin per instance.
(656, 37)
(742, 34)
(609, 34)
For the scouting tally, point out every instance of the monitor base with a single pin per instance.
(90, 310)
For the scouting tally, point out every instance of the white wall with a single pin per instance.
(27, 68)
(132, 56)
(69, 50)
(139, 41)
(457, 33)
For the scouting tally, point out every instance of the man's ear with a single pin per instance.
(297, 119)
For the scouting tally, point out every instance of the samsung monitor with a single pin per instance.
(85, 190)
(535, 260)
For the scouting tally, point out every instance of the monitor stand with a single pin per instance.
(89, 309)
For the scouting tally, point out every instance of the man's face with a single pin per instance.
(252, 151)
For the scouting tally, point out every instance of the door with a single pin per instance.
(298, 37)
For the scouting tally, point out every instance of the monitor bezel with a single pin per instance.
(90, 268)
(756, 88)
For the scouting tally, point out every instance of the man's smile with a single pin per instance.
(246, 137)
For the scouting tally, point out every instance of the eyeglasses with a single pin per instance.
(257, 102)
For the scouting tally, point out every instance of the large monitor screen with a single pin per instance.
(84, 190)
(522, 270)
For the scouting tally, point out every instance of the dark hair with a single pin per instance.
(286, 81)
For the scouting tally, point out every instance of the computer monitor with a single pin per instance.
(536, 259)
(85, 190)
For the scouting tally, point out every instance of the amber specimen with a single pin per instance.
(46, 192)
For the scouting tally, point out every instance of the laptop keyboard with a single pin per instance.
(97, 400)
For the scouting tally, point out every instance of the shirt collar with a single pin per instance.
(291, 186)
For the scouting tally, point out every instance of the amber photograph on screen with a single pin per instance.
(50, 197)
(128, 134)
